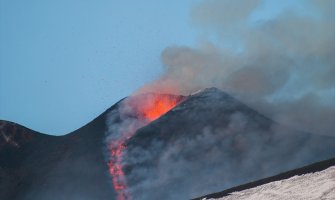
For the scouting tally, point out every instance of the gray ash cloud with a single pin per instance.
(283, 67)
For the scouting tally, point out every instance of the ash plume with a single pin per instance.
(283, 66)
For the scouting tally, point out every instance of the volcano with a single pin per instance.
(197, 145)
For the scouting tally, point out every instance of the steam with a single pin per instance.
(284, 66)
(122, 124)
(130, 115)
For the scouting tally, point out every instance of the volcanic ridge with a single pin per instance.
(155, 146)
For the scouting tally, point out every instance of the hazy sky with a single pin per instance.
(64, 62)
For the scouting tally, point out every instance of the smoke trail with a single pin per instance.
(131, 114)
(283, 66)
(122, 124)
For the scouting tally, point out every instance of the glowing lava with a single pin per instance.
(158, 106)
(115, 169)
(145, 108)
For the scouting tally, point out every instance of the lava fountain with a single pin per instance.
(134, 113)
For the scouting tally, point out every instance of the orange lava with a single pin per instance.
(115, 169)
(147, 108)
(157, 106)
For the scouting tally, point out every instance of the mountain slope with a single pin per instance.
(212, 141)
(274, 181)
(319, 185)
(312, 182)
(49, 167)
(208, 142)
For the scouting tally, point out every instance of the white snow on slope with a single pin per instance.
(313, 186)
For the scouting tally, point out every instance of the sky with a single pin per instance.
(62, 63)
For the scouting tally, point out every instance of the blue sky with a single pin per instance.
(62, 63)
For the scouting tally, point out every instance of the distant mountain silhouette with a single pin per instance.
(207, 143)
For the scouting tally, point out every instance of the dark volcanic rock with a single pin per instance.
(48, 167)
(207, 143)
(210, 142)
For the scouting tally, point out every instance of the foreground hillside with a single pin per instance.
(319, 185)
(311, 182)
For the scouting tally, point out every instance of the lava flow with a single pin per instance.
(144, 109)
(157, 106)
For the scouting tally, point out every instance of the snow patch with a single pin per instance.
(313, 186)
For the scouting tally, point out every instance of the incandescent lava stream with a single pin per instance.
(144, 109)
